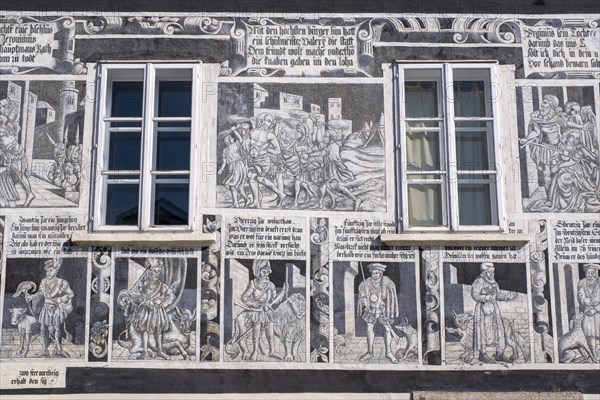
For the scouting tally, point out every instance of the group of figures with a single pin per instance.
(271, 325)
(299, 158)
(564, 146)
(66, 170)
(13, 163)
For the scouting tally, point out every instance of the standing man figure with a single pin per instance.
(153, 299)
(58, 304)
(488, 328)
(264, 147)
(259, 298)
(588, 293)
(544, 135)
(378, 302)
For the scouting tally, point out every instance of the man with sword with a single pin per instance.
(258, 300)
(378, 302)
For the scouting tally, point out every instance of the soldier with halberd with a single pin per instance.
(259, 298)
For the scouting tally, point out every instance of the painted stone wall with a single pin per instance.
(298, 79)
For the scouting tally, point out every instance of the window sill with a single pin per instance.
(455, 238)
(143, 239)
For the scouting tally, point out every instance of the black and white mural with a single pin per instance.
(559, 149)
(320, 290)
(301, 146)
(265, 312)
(210, 303)
(155, 309)
(577, 289)
(41, 138)
(375, 312)
(486, 313)
(296, 187)
(44, 308)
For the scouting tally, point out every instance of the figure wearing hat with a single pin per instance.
(152, 298)
(378, 302)
(259, 298)
(588, 293)
(488, 328)
(57, 298)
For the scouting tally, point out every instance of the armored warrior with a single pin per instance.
(258, 299)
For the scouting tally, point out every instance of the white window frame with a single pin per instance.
(450, 205)
(107, 73)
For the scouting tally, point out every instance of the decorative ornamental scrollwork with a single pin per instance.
(263, 21)
(432, 302)
(205, 25)
(98, 345)
(263, 72)
(164, 25)
(99, 25)
(485, 30)
(100, 287)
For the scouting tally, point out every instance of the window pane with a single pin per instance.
(174, 124)
(469, 99)
(472, 151)
(127, 99)
(473, 124)
(122, 177)
(126, 124)
(423, 151)
(172, 151)
(425, 206)
(124, 150)
(475, 204)
(171, 204)
(421, 99)
(421, 125)
(174, 98)
(122, 204)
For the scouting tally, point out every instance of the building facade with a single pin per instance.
(240, 196)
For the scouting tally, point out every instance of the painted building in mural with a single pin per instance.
(383, 192)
